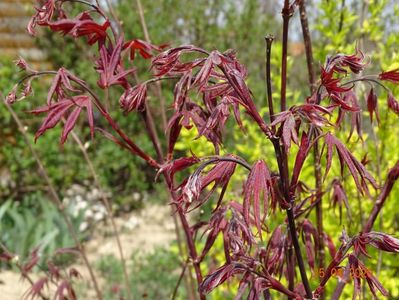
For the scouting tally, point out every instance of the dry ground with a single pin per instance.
(140, 232)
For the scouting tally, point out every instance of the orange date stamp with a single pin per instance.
(340, 272)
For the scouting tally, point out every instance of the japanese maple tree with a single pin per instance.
(219, 80)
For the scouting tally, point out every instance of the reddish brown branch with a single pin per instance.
(287, 12)
(392, 177)
(316, 151)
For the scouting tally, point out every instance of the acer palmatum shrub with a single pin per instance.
(209, 88)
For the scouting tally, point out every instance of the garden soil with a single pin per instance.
(140, 231)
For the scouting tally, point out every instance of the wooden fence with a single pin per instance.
(14, 38)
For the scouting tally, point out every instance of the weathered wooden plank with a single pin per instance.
(14, 24)
(19, 40)
(14, 9)
(30, 54)
(14, 39)
(21, 1)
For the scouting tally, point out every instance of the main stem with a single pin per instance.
(149, 122)
(282, 154)
(286, 20)
(316, 150)
(269, 41)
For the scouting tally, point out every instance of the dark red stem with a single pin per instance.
(287, 13)
(392, 177)
(316, 151)
(308, 45)
(281, 154)
(152, 133)
(269, 41)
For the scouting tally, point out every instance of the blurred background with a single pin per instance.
(27, 217)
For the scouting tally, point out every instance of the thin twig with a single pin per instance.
(115, 17)
(134, 148)
(183, 270)
(392, 177)
(109, 212)
(96, 100)
(158, 83)
(308, 46)
(24, 274)
(55, 198)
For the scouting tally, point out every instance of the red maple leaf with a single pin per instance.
(57, 111)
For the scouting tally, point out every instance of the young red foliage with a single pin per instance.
(392, 76)
(309, 235)
(36, 289)
(219, 276)
(339, 198)
(357, 267)
(372, 105)
(258, 191)
(346, 158)
(134, 98)
(393, 104)
(110, 68)
(144, 48)
(219, 175)
(57, 111)
(219, 80)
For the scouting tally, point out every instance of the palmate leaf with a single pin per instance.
(82, 25)
(34, 292)
(330, 244)
(379, 240)
(372, 105)
(168, 62)
(134, 98)
(237, 236)
(32, 262)
(257, 188)
(177, 165)
(219, 276)
(275, 251)
(288, 128)
(346, 158)
(356, 266)
(65, 291)
(309, 236)
(392, 76)
(218, 176)
(144, 48)
(299, 160)
(214, 58)
(339, 198)
(393, 104)
(62, 82)
(216, 224)
(57, 111)
(110, 68)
